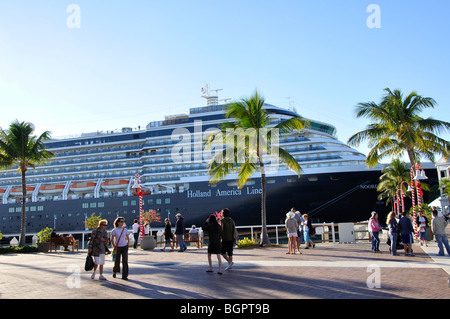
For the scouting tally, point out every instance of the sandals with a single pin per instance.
(219, 273)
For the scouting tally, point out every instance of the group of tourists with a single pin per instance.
(298, 226)
(401, 232)
(222, 238)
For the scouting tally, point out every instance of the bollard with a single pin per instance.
(14, 242)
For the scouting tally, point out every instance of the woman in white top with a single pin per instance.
(291, 227)
(119, 240)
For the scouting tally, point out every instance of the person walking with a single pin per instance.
(214, 241)
(307, 231)
(374, 228)
(422, 222)
(168, 236)
(292, 228)
(135, 232)
(228, 230)
(97, 247)
(438, 226)
(407, 230)
(119, 240)
(179, 232)
(392, 223)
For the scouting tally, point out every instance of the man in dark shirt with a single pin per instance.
(407, 229)
(179, 232)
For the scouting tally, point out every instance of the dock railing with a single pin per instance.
(324, 232)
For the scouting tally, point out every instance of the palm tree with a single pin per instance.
(445, 184)
(393, 175)
(397, 127)
(250, 141)
(19, 147)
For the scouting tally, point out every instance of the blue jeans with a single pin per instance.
(375, 241)
(442, 241)
(393, 235)
(181, 242)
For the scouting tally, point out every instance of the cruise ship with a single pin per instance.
(94, 174)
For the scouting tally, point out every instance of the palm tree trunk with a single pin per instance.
(24, 215)
(264, 233)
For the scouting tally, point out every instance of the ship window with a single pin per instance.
(85, 205)
(93, 205)
(167, 201)
(335, 177)
(313, 178)
(125, 203)
(158, 201)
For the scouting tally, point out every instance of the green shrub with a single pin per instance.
(18, 250)
(246, 242)
(44, 235)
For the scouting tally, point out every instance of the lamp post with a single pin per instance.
(137, 186)
(416, 176)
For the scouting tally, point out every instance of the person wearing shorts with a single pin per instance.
(228, 241)
(97, 247)
(407, 229)
(291, 227)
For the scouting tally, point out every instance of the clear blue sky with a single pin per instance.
(132, 62)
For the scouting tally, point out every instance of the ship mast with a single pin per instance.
(211, 99)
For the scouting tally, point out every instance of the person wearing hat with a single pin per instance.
(292, 227)
(179, 232)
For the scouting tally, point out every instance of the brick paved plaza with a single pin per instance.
(330, 271)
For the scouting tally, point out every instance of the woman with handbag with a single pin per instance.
(97, 247)
(119, 240)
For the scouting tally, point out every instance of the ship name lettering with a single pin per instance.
(197, 193)
(251, 191)
(231, 192)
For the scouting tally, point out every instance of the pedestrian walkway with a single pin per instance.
(331, 271)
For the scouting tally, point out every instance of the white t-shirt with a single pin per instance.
(136, 228)
(123, 239)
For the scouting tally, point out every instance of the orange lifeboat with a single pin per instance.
(2, 191)
(115, 184)
(51, 189)
(17, 191)
(82, 187)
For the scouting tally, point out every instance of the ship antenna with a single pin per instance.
(211, 99)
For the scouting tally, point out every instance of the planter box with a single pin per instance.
(148, 243)
(43, 247)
